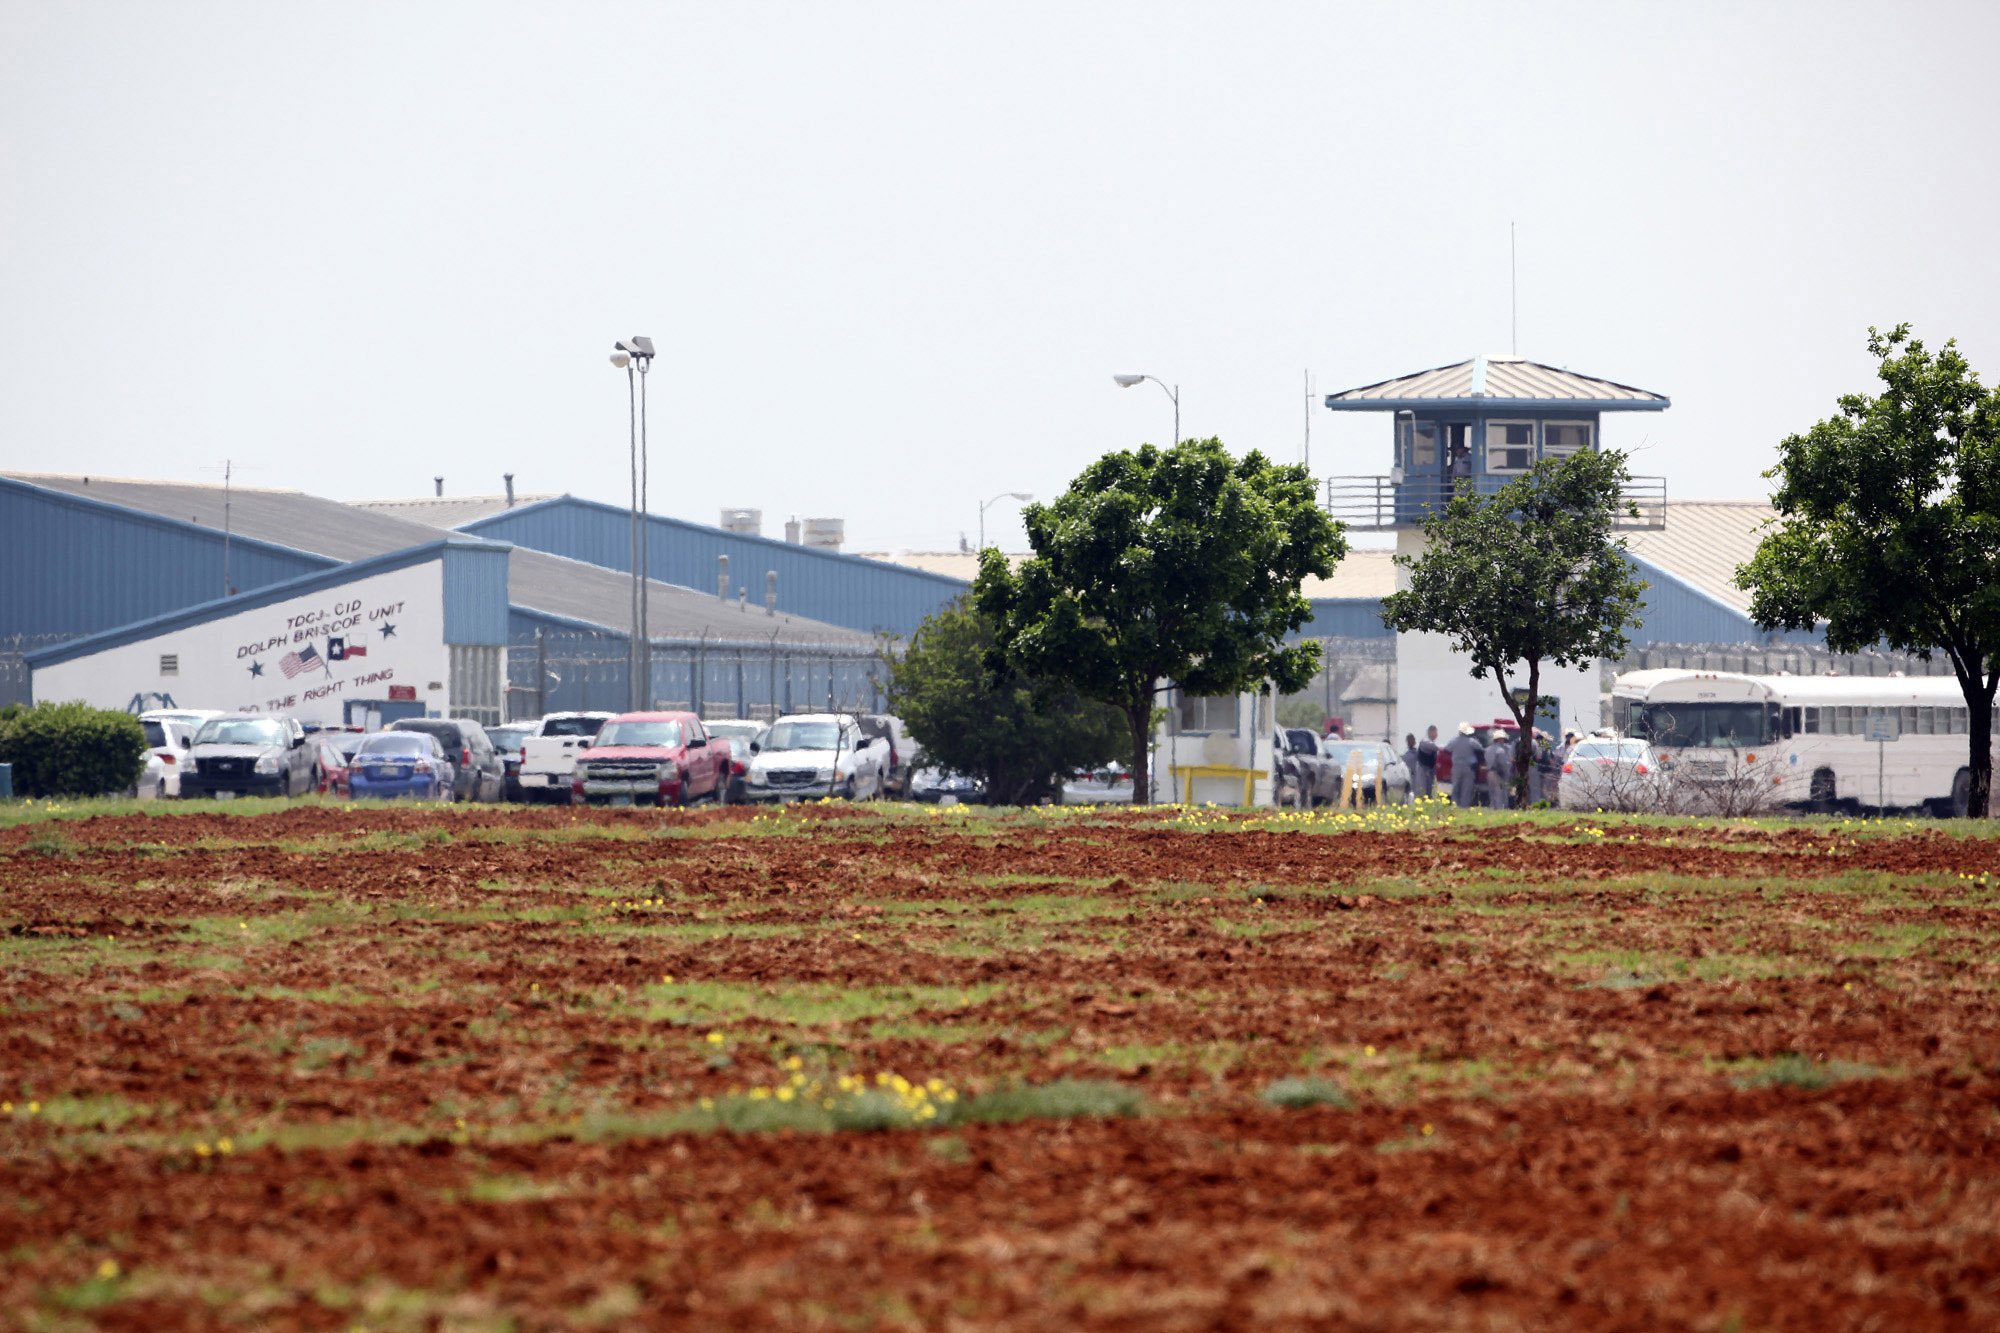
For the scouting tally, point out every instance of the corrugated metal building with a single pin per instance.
(846, 590)
(88, 554)
(75, 560)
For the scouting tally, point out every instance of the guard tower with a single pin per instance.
(1477, 425)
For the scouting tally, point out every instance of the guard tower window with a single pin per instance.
(1510, 446)
(1420, 445)
(1560, 439)
(170, 664)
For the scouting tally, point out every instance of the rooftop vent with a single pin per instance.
(824, 534)
(743, 522)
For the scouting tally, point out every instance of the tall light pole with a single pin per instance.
(1173, 392)
(627, 355)
(1127, 381)
(1004, 495)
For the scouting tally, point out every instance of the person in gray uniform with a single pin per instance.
(1464, 751)
(1499, 770)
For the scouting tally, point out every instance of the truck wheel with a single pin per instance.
(1820, 791)
(1961, 793)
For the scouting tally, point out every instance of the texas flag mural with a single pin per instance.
(339, 649)
(304, 660)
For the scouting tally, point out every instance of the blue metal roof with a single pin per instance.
(267, 596)
(843, 590)
(1674, 610)
(70, 564)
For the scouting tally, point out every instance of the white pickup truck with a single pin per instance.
(548, 755)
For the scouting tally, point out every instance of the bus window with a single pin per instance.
(1909, 720)
(1843, 721)
(1812, 722)
(1792, 722)
(1958, 721)
(1927, 722)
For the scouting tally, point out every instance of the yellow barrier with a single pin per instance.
(1187, 773)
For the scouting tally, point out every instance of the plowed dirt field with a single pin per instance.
(329, 1067)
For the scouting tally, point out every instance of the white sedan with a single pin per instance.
(1612, 773)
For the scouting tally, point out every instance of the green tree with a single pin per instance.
(1888, 529)
(1162, 566)
(1019, 735)
(1527, 575)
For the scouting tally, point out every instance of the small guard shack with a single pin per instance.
(1477, 425)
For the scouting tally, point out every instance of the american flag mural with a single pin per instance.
(293, 663)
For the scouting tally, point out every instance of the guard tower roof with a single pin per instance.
(1487, 382)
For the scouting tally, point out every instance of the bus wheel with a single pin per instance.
(1961, 793)
(1821, 791)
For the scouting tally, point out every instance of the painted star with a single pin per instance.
(256, 668)
(388, 630)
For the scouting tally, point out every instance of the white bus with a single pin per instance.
(1751, 742)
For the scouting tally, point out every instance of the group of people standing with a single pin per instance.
(1465, 752)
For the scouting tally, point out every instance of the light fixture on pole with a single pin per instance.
(1173, 392)
(1004, 495)
(626, 356)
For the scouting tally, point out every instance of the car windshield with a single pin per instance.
(156, 735)
(1704, 726)
(639, 733)
(803, 735)
(506, 738)
(241, 731)
(572, 726)
(1609, 750)
(748, 731)
(395, 743)
(1301, 741)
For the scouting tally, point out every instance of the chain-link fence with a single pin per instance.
(1356, 684)
(555, 671)
(14, 666)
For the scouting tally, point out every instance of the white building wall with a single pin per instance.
(249, 661)
(1435, 686)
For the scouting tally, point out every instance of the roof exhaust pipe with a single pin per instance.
(508, 477)
(439, 483)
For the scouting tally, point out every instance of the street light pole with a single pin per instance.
(1174, 392)
(1004, 495)
(638, 658)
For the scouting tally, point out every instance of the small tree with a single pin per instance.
(1020, 735)
(1528, 575)
(1889, 528)
(1163, 566)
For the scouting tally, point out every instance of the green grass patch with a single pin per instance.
(1297, 1092)
(1798, 1071)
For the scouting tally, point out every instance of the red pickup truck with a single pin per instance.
(651, 759)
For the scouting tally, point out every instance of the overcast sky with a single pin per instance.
(892, 254)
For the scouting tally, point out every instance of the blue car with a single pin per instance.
(400, 763)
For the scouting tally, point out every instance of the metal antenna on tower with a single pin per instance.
(228, 469)
(1308, 459)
